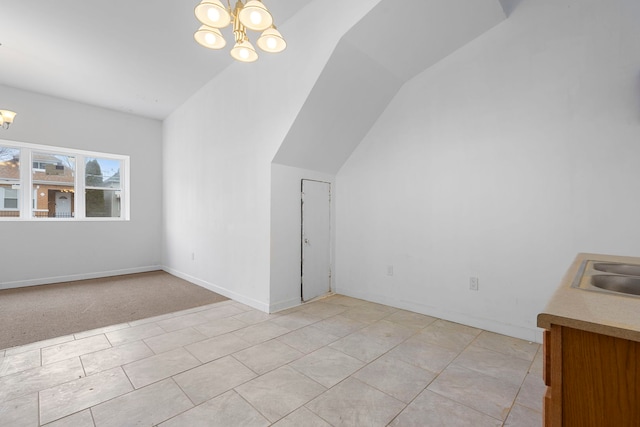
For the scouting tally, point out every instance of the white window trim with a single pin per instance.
(26, 181)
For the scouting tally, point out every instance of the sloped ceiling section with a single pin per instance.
(344, 103)
(389, 46)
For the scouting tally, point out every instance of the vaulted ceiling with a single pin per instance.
(136, 56)
(139, 57)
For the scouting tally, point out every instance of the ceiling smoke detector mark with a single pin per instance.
(473, 283)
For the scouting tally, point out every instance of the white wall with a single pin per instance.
(45, 252)
(218, 149)
(502, 161)
(286, 224)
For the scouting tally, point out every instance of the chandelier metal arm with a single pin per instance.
(239, 30)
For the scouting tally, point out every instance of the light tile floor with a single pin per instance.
(338, 361)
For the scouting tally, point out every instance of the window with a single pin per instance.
(9, 182)
(54, 185)
(39, 165)
(102, 187)
(10, 198)
(65, 183)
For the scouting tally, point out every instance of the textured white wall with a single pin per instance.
(44, 252)
(218, 149)
(502, 161)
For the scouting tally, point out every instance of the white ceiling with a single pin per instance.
(135, 56)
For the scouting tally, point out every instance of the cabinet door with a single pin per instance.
(600, 380)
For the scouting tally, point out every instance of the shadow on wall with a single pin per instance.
(638, 94)
(509, 6)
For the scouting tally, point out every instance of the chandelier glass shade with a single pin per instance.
(210, 37)
(213, 14)
(6, 118)
(251, 15)
(255, 16)
(244, 52)
(271, 41)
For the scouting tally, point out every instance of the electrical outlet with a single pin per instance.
(193, 256)
(473, 283)
(390, 270)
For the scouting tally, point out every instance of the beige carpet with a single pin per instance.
(40, 312)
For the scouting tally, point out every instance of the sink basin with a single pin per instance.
(627, 269)
(610, 277)
(623, 284)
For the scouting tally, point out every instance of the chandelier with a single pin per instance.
(6, 118)
(252, 15)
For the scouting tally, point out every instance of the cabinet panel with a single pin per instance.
(555, 376)
(600, 380)
(546, 357)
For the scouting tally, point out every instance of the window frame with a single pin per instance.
(25, 198)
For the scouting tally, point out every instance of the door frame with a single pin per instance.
(331, 219)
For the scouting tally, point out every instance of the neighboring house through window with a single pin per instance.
(65, 183)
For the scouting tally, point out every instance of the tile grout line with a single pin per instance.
(251, 405)
(82, 364)
(93, 420)
(38, 393)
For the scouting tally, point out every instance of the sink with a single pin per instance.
(626, 269)
(616, 278)
(623, 284)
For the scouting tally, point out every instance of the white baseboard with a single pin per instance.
(258, 305)
(521, 332)
(75, 277)
(283, 305)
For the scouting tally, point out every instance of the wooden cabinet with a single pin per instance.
(592, 350)
(592, 379)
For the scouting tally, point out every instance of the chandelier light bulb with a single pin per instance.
(213, 14)
(255, 17)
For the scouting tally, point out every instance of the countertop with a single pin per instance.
(599, 312)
